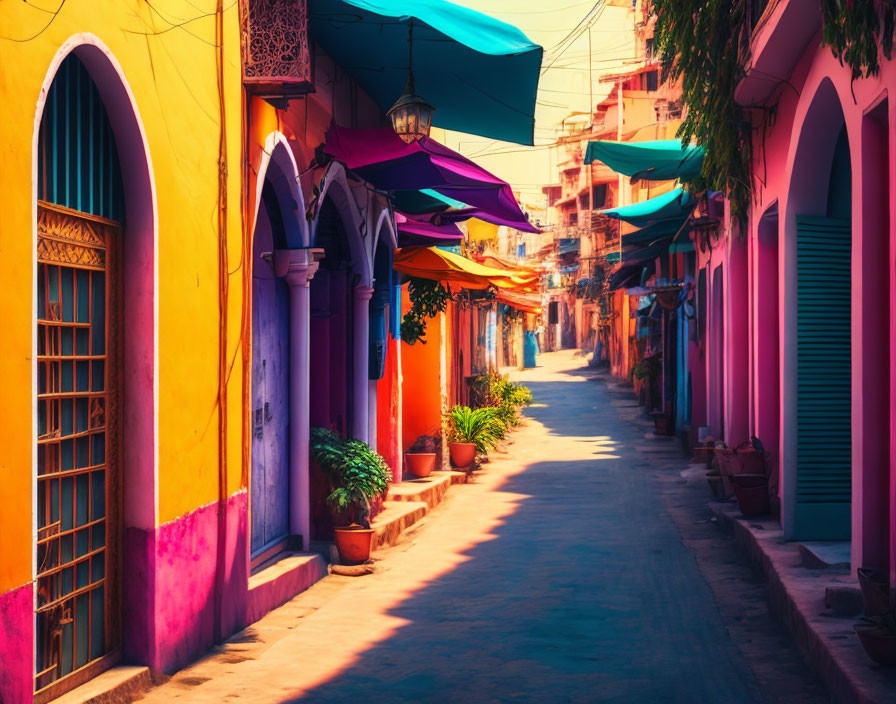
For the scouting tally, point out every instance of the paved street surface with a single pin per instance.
(578, 567)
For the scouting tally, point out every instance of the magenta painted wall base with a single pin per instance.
(16, 645)
(169, 586)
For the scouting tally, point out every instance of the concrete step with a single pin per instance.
(430, 490)
(277, 584)
(119, 685)
(397, 517)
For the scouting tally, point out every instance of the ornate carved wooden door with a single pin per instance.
(78, 617)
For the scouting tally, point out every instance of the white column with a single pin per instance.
(360, 366)
(298, 266)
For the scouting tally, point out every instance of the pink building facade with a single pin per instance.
(798, 349)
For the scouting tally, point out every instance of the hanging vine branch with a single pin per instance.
(428, 299)
(700, 43)
(858, 32)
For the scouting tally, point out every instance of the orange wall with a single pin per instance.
(421, 396)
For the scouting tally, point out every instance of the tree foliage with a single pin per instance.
(704, 43)
(700, 42)
(858, 32)
(428, 299)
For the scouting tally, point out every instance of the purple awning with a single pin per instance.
(380, 157)
(420, 231)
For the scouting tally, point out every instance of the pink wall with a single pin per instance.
(16, 638)
(169, 588)
(794, 162)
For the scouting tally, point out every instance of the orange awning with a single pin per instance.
(440, 265)
(524, 302)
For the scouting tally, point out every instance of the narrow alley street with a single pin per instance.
(576, 567)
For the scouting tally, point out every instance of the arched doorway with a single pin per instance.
(818, 328)
(332, 325)
(95, 367)
(269, 490)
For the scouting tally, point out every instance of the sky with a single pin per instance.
(563, 88)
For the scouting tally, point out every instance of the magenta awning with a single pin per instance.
(382, 159)
(420, 231)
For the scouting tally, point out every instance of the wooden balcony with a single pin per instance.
(274, 38)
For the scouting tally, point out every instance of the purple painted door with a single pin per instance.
(269, 484)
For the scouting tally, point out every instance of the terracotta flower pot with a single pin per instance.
(420, 464)
(879, 644)
(751, 491)
(353, 543)
(463, 454)
(875, 592)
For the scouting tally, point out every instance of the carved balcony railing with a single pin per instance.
(276, 57)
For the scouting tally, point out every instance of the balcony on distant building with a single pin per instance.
(276, 57)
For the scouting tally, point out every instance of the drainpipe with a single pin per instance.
(297, 267)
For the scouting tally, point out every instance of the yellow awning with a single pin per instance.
(479, 230)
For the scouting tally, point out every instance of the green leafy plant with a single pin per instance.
(495, 391)
(480, 426)
(858, 32)
(356, 473)
(710, 70)
(428, 299)
(649, 367)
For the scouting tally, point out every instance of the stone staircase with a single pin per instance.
(408, 502)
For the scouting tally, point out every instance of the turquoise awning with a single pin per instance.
(661, 160)
(677, 203)
(479, 73)
(654, 232)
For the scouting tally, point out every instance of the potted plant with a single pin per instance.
(875, 591)
(471, 431)
(751, 491)
(358, 479)
(878, 636)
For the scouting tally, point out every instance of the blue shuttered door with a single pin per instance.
(824, 413)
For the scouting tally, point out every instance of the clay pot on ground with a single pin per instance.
(751, 491)
(353, 543)
(875, 591)
(879, 643)
(463, 454)
(743, 459)
(420, 464)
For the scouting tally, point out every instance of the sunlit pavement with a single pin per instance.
(559, 575)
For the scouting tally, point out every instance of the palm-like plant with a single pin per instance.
(481, 427)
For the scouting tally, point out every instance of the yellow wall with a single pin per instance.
(171, 71)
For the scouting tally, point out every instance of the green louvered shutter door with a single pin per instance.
(824, 369)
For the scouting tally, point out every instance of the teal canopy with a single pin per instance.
(677, 203)
(654, 232)
(479, 73)
(662, 160)
(450, 202)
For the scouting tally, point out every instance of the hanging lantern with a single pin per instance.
(411, 115)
